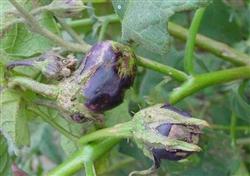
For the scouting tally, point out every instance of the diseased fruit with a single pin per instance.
(186, 133)
(114, 66)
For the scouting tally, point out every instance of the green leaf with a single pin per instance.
(145, 22)
(13, 117)
(18, 40)
(220, 23)
(117, 115)
(239, 106)
(5, 160)
(67, 145)
(76, 129)
(1, 75)
(43, 140)
(5, 17)
(217, 158)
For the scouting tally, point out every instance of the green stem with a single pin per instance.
(88, 21)
(89, 168)
(34, 25)
(188, 57)
(233, 129)
(220, 49)
(103, 30)
(70, 31)
(43, 89)
(118, 131)
(87, 153)
(161, 68)
(197, 83)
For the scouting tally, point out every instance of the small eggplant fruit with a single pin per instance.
(52, 65)
(186, 133)
(114, 72)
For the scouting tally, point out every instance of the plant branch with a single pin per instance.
(89, 21)
(161, 68)
(70, 31)
(197, 83)
(103, 30)
(34, 25)
(233, 129)
(89, 168)
(86, 153)
(118, 131)
(43, 89)
(220, 49)
(188, 57)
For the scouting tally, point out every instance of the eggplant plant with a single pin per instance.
(110, 88)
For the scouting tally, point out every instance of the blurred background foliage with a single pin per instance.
(226, 146)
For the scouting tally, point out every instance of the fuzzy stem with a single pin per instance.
(89, 168)
(43, 89)
(196, 83)
(118, 131)
(233, 129)
(150, 64)
(34, 25)
(188, 57)
(86, 154)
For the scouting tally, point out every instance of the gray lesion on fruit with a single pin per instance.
(70, 98)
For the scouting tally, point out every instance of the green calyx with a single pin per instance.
(147, 137)
(155, 115)
(127, 60)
